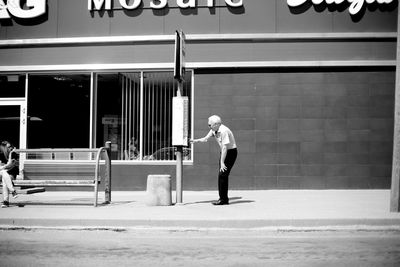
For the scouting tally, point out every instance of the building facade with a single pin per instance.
(308, 89)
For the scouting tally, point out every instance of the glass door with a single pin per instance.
(13, 123)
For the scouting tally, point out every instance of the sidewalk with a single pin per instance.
(275, 209)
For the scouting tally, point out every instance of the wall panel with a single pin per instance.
(309, 21)
(137, 22)
(258, 17)
(377, 20)
(198, 20)
(296, 145)
(74, 20)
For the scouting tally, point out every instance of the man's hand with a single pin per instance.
(223, 167)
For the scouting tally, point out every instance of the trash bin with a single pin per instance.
(158, 191)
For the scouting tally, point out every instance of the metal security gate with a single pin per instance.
(130, 115)
(146, 115)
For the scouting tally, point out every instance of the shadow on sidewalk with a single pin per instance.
(75, 202)
(240, 202)
(232, 201)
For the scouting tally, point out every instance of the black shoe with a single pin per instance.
(220, 202)
(5, 204)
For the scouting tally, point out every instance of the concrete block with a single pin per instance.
(158, 192)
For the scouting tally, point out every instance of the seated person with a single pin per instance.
(9, 169)
(133, 152)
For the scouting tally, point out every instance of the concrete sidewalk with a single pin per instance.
(274, 209)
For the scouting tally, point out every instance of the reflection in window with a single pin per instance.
(136, 117)
(159, 89)
(62, 105)
(118, 113)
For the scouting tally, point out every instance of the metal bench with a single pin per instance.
(42, 168)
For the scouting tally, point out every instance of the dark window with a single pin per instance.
(61, 104)
(12, 85)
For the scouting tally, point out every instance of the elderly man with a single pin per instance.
(224, 136)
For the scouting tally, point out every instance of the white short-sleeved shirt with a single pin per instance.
(223, 136)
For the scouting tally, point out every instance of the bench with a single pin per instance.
(69, 167)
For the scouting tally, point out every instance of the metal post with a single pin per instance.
(179, 71)
(107, 180)
(179, 174)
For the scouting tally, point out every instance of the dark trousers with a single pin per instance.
(223, 177)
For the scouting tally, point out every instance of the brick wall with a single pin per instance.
(298, 129)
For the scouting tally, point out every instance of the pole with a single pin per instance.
(178, 123)
(179, 174)
(179, 164)
(107, 181)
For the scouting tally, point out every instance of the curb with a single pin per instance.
(287, 229)
(205, 224)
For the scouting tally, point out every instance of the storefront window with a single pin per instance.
(136, 114)
(60, 105)
(12, 85)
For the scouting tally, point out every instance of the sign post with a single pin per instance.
(179, 58)
(179, 111)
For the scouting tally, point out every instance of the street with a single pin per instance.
(197, 247)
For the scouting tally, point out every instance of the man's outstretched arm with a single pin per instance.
(202, 140)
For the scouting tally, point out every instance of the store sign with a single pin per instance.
(23, 9)
(354, 8)
(156, 4)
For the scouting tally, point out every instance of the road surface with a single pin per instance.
(193, 247)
